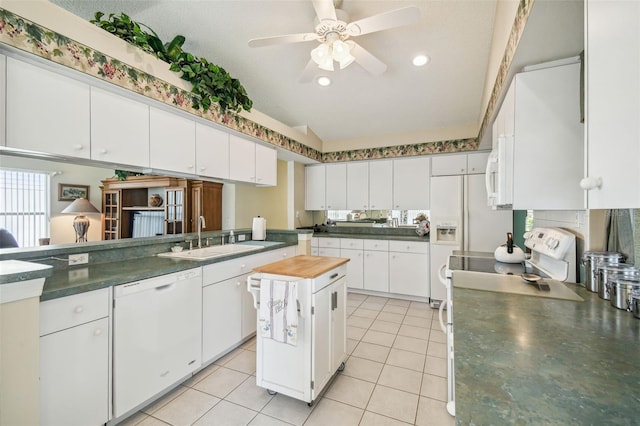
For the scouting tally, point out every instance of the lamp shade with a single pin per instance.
(81, 206)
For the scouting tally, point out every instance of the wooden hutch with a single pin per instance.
(125, 202)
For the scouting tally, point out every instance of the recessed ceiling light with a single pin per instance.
(323, 81)
(420, 60)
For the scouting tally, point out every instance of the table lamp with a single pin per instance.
(81, 206)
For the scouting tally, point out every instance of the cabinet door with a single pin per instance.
(376, 270)
(411, 183)
(212, 152)
(338, 324)
(111, 215)
(447, 165)
(119, 129)
(329, 252)
(266, 165)
(172, 142)
(74, 375)
(613, 109)
(409, 274)
(381, 185)
(358, 185)
(221, 317)
(321, 326)
(175, 211)
(46, 112)
(336, 186)
(477, 163)
(504, 124)
(549, 140)
(355, 267)
(242, 159)
(314, 187)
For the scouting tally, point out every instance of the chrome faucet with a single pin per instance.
(201, 224)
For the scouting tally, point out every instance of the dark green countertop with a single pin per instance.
(531, 360)
(66, 282)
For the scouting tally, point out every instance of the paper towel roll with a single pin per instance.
(259, 230)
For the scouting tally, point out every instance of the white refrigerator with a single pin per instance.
(461, 219)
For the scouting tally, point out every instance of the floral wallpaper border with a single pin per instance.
(31, 37)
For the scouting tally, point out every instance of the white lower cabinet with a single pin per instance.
(352, 249)
(376, 265)
(409, 268)
(74, 359)
(221, 316)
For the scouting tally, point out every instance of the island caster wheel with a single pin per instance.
(310, 404)
(271, 392)
(341, 368)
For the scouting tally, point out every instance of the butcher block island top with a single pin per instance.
(302, 266)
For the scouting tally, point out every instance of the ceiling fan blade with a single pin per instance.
(309, 72)
(367, 61)
(383, 21)
(325, 10)
(289, 38)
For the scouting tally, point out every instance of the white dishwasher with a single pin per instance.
(157, 326)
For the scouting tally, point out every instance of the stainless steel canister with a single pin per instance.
(591, 259)
(635, 303)
(607, 272)
(621, 292)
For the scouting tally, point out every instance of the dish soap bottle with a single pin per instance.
(232, 238)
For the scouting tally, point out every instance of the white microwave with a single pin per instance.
(499, 174)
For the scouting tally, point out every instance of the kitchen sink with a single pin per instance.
(211, 252)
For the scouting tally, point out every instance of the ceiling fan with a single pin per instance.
(334, 35)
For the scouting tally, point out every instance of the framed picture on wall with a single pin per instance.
(69, 191)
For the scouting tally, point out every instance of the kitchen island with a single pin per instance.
(532, 360)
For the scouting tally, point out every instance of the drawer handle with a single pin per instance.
(333, 276)
(164, 374)
(97, 332)
(79, 309)
(243, 266)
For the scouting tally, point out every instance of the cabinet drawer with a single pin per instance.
(65, 312)
(221, 271)
(351, 243)
(327, 278)
(379, 245)
(329, 242)
(315, 241)
(409, 247)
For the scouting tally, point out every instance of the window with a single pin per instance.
(24, 205)
(405, 217)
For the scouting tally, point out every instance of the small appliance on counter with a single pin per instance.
(509, 252)
(259, 229)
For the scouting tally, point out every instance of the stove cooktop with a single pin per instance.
(485, 265)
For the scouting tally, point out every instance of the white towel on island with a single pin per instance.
(279, 311)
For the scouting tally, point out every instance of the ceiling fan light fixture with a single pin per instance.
(340, 50)
(320, 54)
(420, 60)
(327, 64)
(346, 61)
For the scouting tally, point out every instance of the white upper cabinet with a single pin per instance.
(613, 104)
(212, 152)
(411, 183)
(119, 129)
(336, 186)
(549, 139)
(315, 184)
(358, 185)
(242, 159)
(3, 99)
(46, 112)
(447, 165)
(505, 120)
(173, 142)
(381, 185)
(477, 163)
(266, 165)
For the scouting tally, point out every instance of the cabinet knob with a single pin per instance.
(190, 166)
(97, 332)
(79, 309)
(78, 147)
(243, 266)
(103, 151)
(590, 183)
(237, 283)
(202, 169)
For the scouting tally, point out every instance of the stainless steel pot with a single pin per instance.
(591, 259)
(607, 272)
(635, 304)
(621, 292)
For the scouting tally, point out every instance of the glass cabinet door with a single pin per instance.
(111, 201)
(174, 210)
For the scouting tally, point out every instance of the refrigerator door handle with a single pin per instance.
(465, 214)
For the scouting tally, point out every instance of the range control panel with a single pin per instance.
(552, 242)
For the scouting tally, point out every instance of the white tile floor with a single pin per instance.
(395, 375)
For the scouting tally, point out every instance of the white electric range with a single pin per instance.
(552, 262)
